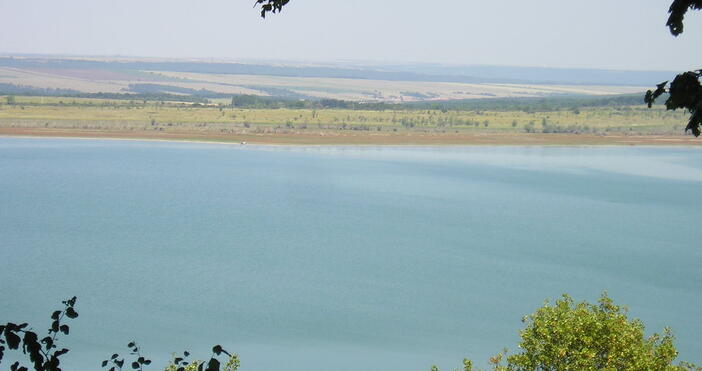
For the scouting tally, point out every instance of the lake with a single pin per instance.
(341, 258)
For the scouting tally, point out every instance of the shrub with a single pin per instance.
(584, 336)
(530, 128)
(581, 336)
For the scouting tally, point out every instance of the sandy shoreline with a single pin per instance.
(415, 139)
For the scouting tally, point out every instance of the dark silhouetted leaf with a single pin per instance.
(217, 349)
(652, 95)
(61, 352)
(271, 6)
(213, 365)
(30, 338)
(13, 340)
(71, 313)
(48, 342)
(695, 122)
(677, 13)
(32, 347)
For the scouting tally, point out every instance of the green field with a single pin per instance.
(91, 113)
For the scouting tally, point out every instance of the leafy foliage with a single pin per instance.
(116, 363)
(181, 363)
(677, 13)
(684, 92)
(587, 336)
(567, 335)
(43, 353)
(272, 6)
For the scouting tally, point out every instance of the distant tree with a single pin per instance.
(530, 127)
(10, 99)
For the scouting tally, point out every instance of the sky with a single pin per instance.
(610, 34)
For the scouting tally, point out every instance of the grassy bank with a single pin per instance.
(91, 117)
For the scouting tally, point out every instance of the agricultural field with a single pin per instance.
(370, 90)
(61, 76)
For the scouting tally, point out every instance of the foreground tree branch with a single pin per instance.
(271, 6)
(685, 91)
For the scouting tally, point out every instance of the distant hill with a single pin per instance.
(537, 75)
(357, 83)
(237, 68)
(409, 72)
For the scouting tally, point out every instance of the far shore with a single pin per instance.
(326, 138)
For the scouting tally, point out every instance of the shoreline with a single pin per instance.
(404, 139)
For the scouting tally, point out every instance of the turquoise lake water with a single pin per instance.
(341, 258)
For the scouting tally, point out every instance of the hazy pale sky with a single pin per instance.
(619, 34)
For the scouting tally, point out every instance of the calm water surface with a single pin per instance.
(329, 258)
